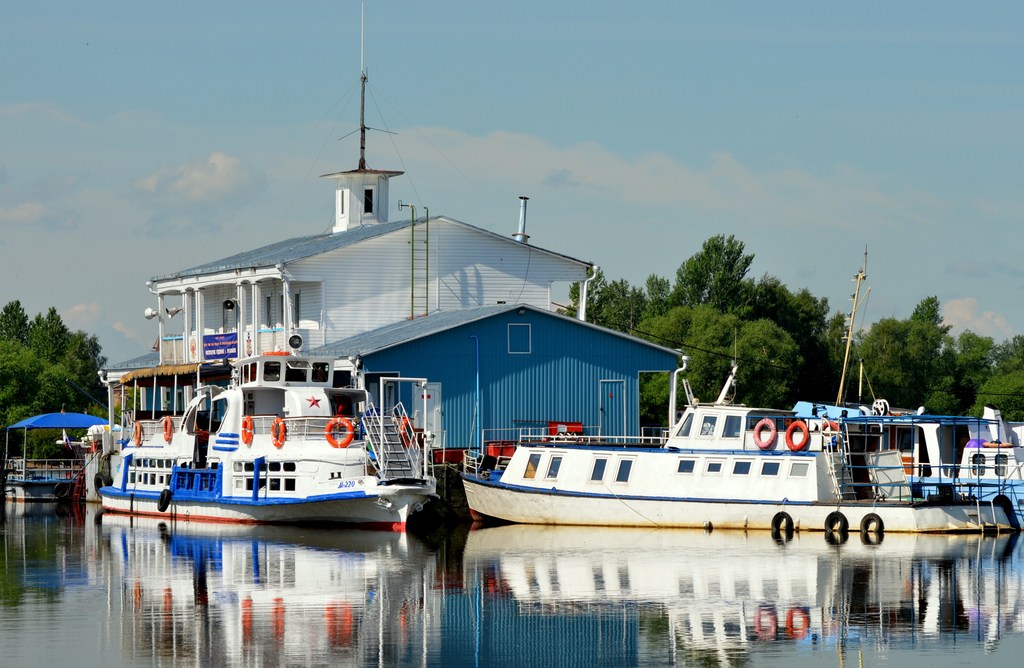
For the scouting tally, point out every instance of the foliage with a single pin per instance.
(1004, 391)
(788, 344)
(41, 363)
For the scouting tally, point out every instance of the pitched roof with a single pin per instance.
(290, 250)
(409, 330)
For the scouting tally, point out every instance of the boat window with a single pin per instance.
(321, 372)
(707, 425)
(625, 466)
(531, 465)
(289, 467)
(685, 466)
(798, 470)
(271, 371)
(684, 430)
(553, 466)
(598, 474)
(289, 484)
(714, 466)
(1001, 463)
(732, 426)
(770, 468)
(295, 371)
(741, 468)
(905, 440)
(977, 464)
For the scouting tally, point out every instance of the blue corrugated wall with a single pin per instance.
(559, 379)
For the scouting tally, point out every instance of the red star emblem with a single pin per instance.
(313, 401)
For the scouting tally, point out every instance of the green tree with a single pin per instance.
(14, 323)
(20, 371)
(1004, 391)
(48, 336)
(715, 275)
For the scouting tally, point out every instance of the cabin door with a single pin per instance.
(432, 394)
(612, 405)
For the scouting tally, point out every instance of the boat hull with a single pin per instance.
(389, 508)
(513, 503)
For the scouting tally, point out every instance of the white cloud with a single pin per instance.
(25, 213)
(82, 316)
(35, 109)
(129, 332)
(962, 314)
(213, 180)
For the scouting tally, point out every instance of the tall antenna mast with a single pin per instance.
(859, 277)
(362, 89)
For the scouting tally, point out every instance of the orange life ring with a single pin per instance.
(765, 443)
(340, 423)
(247, 430)
(138, 433)
(278, 432)
(793, 445)
(403, 432)
(798, 623)
(766, 623)
(168, 428)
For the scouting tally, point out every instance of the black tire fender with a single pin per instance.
(164, 502)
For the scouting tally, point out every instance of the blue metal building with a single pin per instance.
(494, 370)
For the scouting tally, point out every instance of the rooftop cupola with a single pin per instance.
(361, 194)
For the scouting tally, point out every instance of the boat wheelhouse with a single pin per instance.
(280, 445)
(722, 466)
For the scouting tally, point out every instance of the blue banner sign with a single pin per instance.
(220, 346)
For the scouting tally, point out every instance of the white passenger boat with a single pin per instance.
(280, 445)
(722, 466)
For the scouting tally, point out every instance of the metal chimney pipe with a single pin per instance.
(521, 236)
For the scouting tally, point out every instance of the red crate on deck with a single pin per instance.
(556, 428)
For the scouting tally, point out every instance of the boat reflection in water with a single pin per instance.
(231, 595)
(678, 596)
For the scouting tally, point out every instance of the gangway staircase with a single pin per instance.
(394, 442)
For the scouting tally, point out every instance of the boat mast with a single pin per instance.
(859, 278)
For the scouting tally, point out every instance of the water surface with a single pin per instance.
(111, 591)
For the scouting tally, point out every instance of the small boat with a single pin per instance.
(722, 466)
(279, 445)
(42, 480)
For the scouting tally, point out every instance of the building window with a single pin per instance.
(519, 342)
(268, 314)
(770, 469)
(296, 308)
(598, 473)
(532, 465)
(368, 200)
(685, 466)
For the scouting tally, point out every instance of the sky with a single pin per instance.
(138, 139)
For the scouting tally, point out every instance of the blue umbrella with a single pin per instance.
(59, 421)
